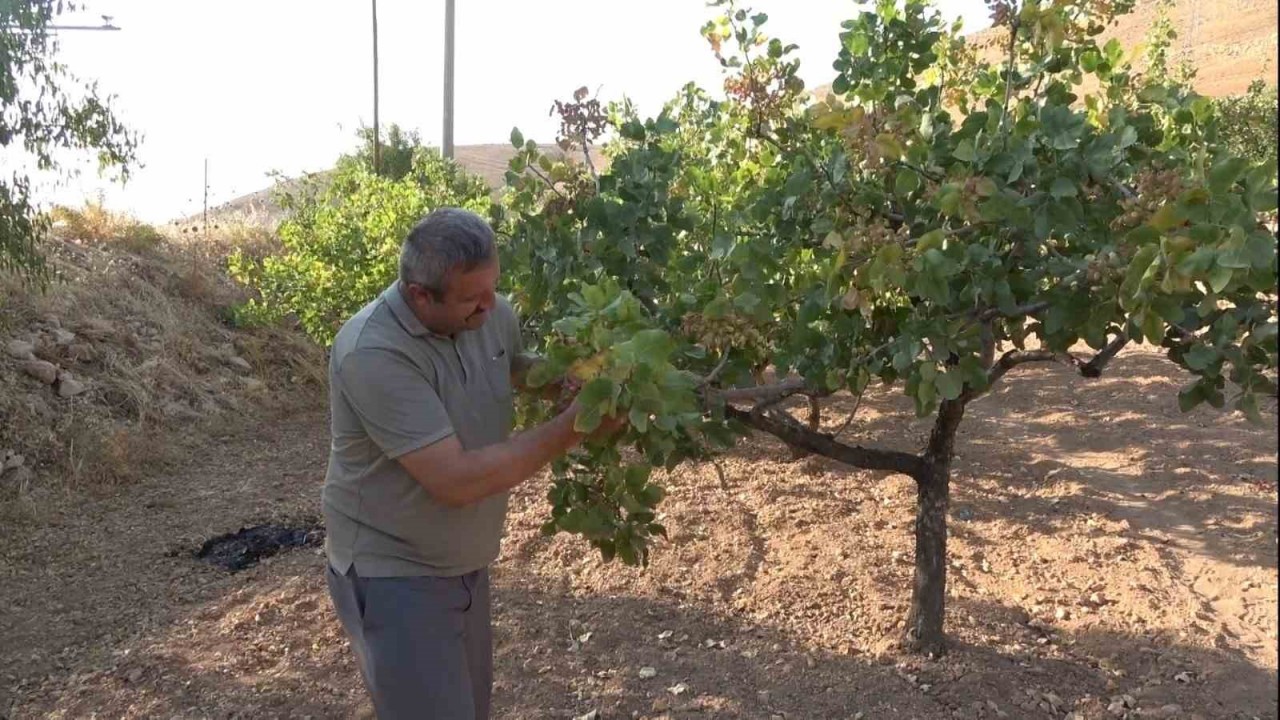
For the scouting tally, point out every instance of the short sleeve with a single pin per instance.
(396, 403)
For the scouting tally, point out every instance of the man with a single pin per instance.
(420, 467)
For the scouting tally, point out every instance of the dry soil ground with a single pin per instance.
(1104, 546)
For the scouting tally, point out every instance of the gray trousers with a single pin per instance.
(424, 644)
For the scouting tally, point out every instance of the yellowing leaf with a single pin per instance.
(586, 369)
(889, 146)
(1166, 218)
(930, 240)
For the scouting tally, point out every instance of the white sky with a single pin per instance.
(256, 86)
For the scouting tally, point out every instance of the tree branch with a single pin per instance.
(1029, 308)
(930, 175)
(1091, 368)
(762, 394)
(546, 180)
(586, 155)
(1019, 311)
(793, 433)
(1008, 74)
(857, 403)
(719, 368)
(1098, 363)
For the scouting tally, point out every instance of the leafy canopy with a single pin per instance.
(341, 239)
(929, 213)
(44, 109)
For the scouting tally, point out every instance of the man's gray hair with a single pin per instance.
(446, 239)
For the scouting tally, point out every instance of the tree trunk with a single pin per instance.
(924, 631)
(815, 424)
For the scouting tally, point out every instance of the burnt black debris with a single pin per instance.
(239, 550)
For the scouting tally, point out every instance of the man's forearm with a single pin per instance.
(498, 468)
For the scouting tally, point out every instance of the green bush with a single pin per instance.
(398, 148)
(341, 240)
(1249, 123)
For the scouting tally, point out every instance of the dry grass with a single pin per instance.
(162, 367)
(95, 223)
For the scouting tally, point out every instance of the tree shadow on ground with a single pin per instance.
(564, 653)
(1047, 445)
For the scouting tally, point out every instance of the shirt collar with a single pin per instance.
(404, 314)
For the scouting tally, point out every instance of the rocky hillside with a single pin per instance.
(129, 357)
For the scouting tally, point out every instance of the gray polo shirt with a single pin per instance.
(395, 387)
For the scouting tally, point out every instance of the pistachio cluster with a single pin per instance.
(1153, 188)
(722, 332)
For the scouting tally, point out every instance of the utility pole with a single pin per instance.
(377, 144)
(448, 78)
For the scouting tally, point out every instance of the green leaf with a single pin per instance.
(1225, 173)
(1233, 253)
(1152, 326)
(1219, 278)
(964, 151)
(517, 138)
(637, 476)
(949, 202)
(639, 419)
(1248, 404)
(588, 420)
(599, 394)
(906, 182)
(1200, 357)
(1264, 200)
(1190, 396)
(1062, 187)
(652, 347)
(651, 495)
(1197, 262)
(950, 384)
(1261, 250)
(1142, 261)
(1153, 94)
(747, 302)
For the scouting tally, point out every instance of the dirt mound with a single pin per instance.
(131, 356)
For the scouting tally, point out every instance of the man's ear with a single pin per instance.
(421, 295)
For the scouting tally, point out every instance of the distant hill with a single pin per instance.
(488, 161)
(1231, 43)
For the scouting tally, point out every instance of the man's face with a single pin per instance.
(465, 304)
